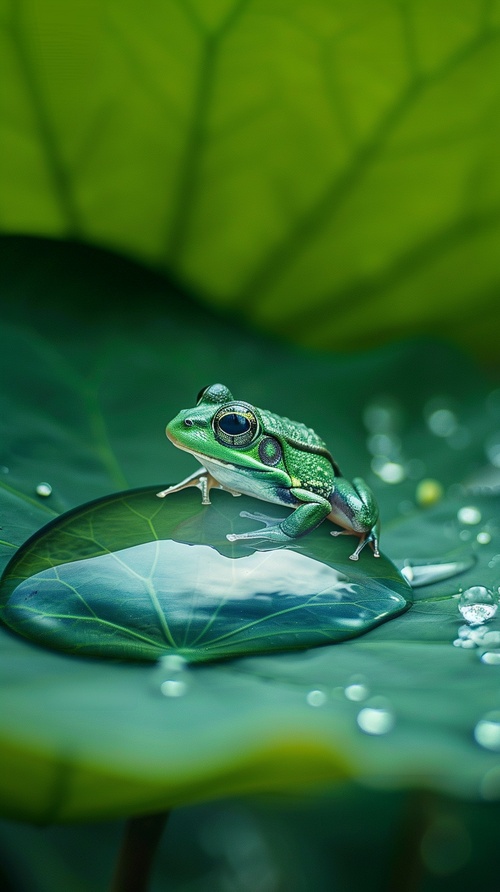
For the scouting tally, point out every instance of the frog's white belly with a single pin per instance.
(248, 483)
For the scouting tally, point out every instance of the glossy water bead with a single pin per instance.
(477, 604)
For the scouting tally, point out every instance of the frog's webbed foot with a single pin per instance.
(371, 538)
(203, 481)
(271, 530)
(305, 518)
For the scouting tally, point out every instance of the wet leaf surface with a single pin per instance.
(85, 407)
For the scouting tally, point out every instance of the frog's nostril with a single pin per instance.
(188, 422)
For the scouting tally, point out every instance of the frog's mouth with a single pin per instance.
(199, 456)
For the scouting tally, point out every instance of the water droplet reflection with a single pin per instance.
(487, 731)
(477, 604)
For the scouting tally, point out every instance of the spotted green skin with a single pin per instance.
(273, 459)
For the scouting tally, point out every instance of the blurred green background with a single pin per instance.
(328, 171)
(324, 172)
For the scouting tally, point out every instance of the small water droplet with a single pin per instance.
(316, 698)
(173, 687)
(477, 604)
(491, 657)
(356, 691)
(44, 490)
(442, 422)
(469, 514)
(428, 492)
(388, 471)
(483, 538)
(494, 561)
(376, 717)
(487, 731)
(4, 469)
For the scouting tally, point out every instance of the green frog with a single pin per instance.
(251, 451)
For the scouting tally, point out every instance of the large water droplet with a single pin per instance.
(477, 604)
(131, 577)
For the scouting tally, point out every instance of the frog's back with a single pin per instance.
(304, 443)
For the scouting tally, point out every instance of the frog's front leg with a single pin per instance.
(306, 517)
(354, 507)
(203, 480)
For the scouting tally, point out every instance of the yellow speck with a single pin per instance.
(429, 492)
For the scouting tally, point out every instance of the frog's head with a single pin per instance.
(216, 426)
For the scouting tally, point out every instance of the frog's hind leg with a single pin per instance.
(355, 509)
(203, 480)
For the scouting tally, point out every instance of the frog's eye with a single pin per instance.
(235, 425)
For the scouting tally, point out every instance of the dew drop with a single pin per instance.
(477, 604)
(376, 717)
(44, 490)
(173, 687)
(428, 492)
(388, 471)
(4, 469)
(442, 422)
(356, 691)
(469, 515)
(487, 731)
(483, 538)
(316, 698)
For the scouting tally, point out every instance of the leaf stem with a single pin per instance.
(135, 859)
